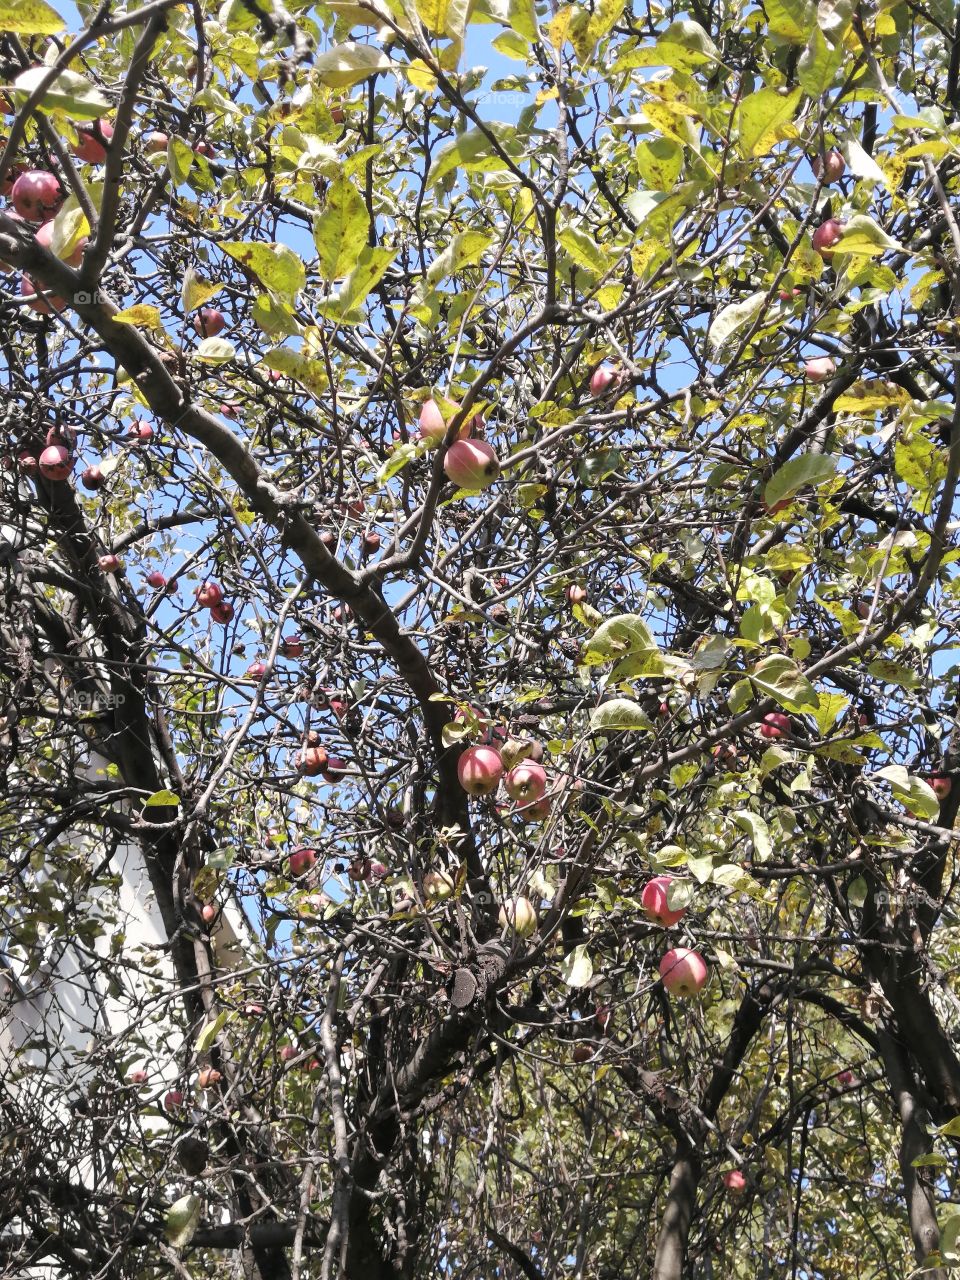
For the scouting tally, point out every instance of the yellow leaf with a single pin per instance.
(142, 316)
(29, 18)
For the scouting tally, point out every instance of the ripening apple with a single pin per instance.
(941, 785)
(302, 861)
(155, 142)
(479, 770)
(222, 612)
(45, 304)
(683, 971)
(845, 1077)
(156, 579)
(831, 166)
(208, 594)
(371, 541)
(819, 368)
(602, 379)
(55, 462)
(208, 322)
(734, 1181)
(208, 913)
(172, 1099)
(335, 770)
(292, 646)
(526, 781)
(537, 811)
(138, 1077)
(827, 235)
(576, 593)
(312, 761)
(432, 425)
(654, 901)
(437, 885)
(140, 432)
(519, 914)
(208, 1078)
(582, 1053)
(109, 563)
(471, 464)
(92, 478)
(90, 147)
(288, 1053)
(206, 149)
(256, 670)
(776, 725)
(37, 195)
(45, 238)
(27, 462)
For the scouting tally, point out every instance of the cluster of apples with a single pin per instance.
(314, 760)
(481, 768)
(210, 596)
(683, 971)
(55, 461)
(468, 463)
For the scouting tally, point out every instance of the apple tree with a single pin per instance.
(477, 645)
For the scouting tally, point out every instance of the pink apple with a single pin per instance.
(526, 781)
(208, 1078)
(312, 761)
(519, 914)
(45, 238)
(432, 425)
(302, 861)
(156, 579)
(734, 1181)
(288, 1053)
(538, 811)
(683, 971)
(654, 901)
(205, 149)
(138, 1077)
(208, 322)
(827, 235)
(109, 563)
(37, 195)
(92, 478)
(155, 143)
(602, 379)
(292, 646)
(90, 148)
(479, 770)
(941, 784)
(256, 670)
(27, 462)
(832, 169)
(222, 612)
(471, 464)
(576, 594)
(776, 725)
(172, 1099)
(140, 433)
(208, 594)
(56, 462)
(208, 913)
(819, 368)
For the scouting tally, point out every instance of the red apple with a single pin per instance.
(256, 670)
(941, 785)
(845, 1077)
(471, 464)
(222, 612)
(582, 1053)
(140, 433)
(208, 322)
(109, 563)
(776, 725)
(208, 913)
(302, 861)
(312, 761)
(432, 425)
(37, 195)
(827, 235)
(371, 541)
(154, 143)
(172, 1099)
(27, 462)
(92, 478)
(526, 781)
(654, 901)
(292, 646)
(734, 1181)
(205, 149)
(156, 579)
(519, 914)
(602, 379)
(479, 770)
(538, 811)
(683, 971)
(335, 769)
(831, 166)
(819, 368)
(138, 1077)
(44, 237)
(90, 147)
(56, 462)
(208, 594)
(288, 1053)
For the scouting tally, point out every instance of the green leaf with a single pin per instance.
(474, 150)
(733, 317)
(276, 266)
(584, 250)
(891, 672)
(781, 678)
(863, 236)
(757, 829)
(791, 19)
(341, 232)
(347, 64)
(617, 715)
(369, 271)
(210, 1032)
(444, 17)
(625, 634)
(831, 707)
(214, 351)
(860, 164)
(818, 65)
(577, 967)
(464, 250)
(162, 800)
(912, 792)
(183, 1218)
(522, 16)
(762, 119)
(805, 469)
(30, 18)
(311, 374)
(951, 1129)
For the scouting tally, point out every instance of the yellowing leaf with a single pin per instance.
(29, 18)
(141, 316)
(869, 395)
(340, 233)
(276, 266)
(70, 93)
(215, 351)
(762, 118)
(348, 64)
(444, 17)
